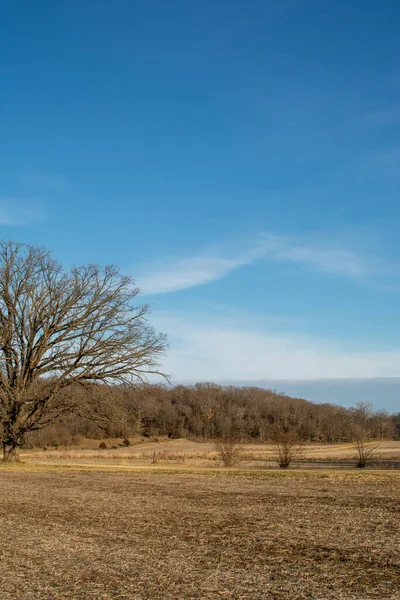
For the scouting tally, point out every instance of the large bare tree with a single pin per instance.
(61, 330)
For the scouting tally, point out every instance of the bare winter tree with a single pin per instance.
(365, 449)
(288, 445)
(229, 450)
(61, 330)
(382, 424)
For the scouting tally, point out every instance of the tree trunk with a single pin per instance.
(10, 453)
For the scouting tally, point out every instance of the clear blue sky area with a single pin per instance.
(239, 158)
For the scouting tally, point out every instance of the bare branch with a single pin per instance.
(60, 329)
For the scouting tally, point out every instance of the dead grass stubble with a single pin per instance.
(116, 536)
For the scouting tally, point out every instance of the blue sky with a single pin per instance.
(239, 159)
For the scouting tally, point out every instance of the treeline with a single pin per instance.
(208, 411)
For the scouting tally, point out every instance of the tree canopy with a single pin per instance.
(61, 329)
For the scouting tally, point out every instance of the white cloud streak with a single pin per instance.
(180, 274)
(176, 274)
(330, 260)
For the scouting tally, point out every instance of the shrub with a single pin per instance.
(126, 443)
(287, 442)
(364, 452)
(364, 448)
(157, 456)
(103, 446)
(229, 451)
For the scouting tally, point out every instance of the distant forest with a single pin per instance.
(208, 411)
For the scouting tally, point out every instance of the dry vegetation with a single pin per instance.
(208, 412)
(85, 534)
(192, 453)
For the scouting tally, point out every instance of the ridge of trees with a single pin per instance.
(207, 411)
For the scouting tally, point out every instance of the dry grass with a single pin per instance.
(84, 534)
(323, 451)
(198, 454)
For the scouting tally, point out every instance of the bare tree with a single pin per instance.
(61, 330)
(287, 442)
(382, 423)
(364, 452)
(365, 449)
(363, 413)
(229, 450)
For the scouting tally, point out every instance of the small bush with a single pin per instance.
(103, 446)
(158, 456)
(364, 452)
(229, 451)
(287, 442)
(126, 443)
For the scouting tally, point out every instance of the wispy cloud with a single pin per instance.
(329, 260)
(17, 212)
(180, 274)
(175, 274)
(206, 349)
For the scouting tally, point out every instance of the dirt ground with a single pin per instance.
(70, 534)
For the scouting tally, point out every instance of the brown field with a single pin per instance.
(114, 534)
(194, 454)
